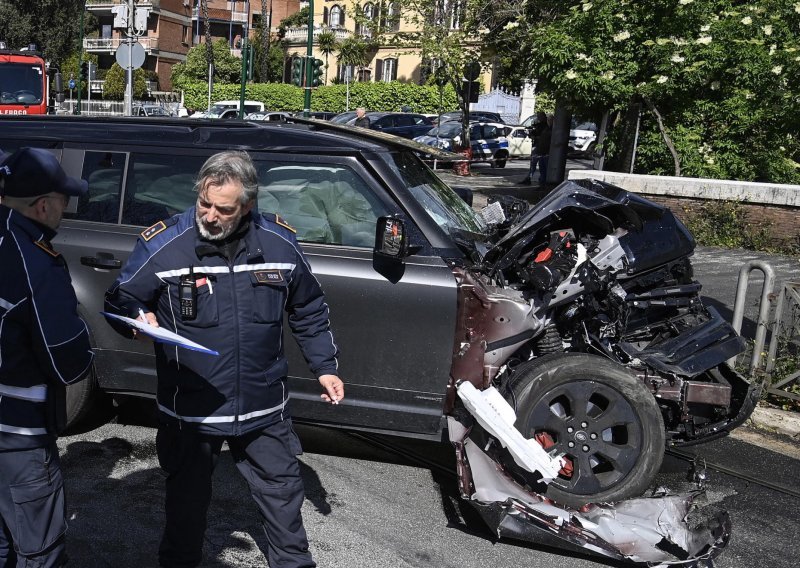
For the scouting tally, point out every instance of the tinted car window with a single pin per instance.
(103, 171)
(159, 186)
(404, 120)
(326, 204)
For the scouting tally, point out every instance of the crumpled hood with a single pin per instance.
(598, 208)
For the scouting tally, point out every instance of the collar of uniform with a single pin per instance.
(34, 229)
(245, 232)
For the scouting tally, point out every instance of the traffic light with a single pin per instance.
(316, 72)
(84, 71)
(297, 71)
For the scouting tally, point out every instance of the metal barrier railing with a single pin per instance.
(763, 323)
(788, 301)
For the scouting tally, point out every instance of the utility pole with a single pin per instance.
(309, 59)
(80, 59)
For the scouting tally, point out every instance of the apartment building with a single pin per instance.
(386, 62)
(174, 26)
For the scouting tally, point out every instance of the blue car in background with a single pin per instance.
(487, 140)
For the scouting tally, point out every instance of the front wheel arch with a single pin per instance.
(617, 453)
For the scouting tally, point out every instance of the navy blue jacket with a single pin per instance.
(44, 344)
(240, 307)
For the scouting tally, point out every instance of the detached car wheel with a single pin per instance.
(600, 416)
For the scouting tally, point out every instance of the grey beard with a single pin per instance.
(224, 234)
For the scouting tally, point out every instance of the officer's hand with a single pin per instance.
(334, 388)
(149, 318)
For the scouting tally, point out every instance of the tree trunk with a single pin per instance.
(209, 46)
(265, 41)
(665, 135)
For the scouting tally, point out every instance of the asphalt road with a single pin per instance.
(369, 508)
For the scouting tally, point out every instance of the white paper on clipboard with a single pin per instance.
(161, 335)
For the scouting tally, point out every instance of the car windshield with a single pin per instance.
(155, 111)
(217, 110)
(446, 130)
(443, 205)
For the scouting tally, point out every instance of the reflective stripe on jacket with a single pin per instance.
(240, 307)
(44, 344)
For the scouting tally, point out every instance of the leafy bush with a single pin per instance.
(725, 224)
(372, 96)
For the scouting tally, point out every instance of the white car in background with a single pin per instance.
(582, 135)
(519, 143)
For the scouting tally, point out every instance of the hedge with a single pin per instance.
(333, 98)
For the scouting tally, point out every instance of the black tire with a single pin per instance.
(80, 396)
(616, 441)
(500, 161)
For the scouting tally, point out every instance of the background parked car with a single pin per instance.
(487, 140)
(230, 109)
(582, 134)
(483, 115)
(519, 142)
(268, 116)
(149, 110)
(344, 117)
(403, 124)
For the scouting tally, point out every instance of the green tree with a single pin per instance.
(266, 69)
(327, 44)
(227, 67)
(53, 25)
(447, 35)
(114, 85)
(717, 79)
(355, 51)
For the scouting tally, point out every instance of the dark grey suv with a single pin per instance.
(558, 347)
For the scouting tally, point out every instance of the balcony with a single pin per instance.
(104, 6)
(221, 16)
(300, 34)
(110, 45)
(96, 86)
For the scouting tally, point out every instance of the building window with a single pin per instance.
(365, 75)
(336, 17)
(393, 17)
(346, 73)
(186, 35)
(370, 14)
(386, 70)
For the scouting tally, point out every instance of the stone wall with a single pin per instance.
(775, 205)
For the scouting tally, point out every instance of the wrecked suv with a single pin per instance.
(559, 348)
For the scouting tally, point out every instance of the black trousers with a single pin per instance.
(32, 510)
(268, 461)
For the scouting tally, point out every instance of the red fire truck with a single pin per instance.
(23, 83)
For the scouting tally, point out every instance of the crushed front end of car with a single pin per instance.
(582, 333)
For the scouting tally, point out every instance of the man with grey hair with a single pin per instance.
(221, 274)
(362, 119)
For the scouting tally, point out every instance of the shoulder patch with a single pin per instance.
(283, 223)
(151, 232)
(46, 247)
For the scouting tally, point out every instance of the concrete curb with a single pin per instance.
(776, 420)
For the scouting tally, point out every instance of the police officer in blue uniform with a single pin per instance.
(222, 275)
(44, 345)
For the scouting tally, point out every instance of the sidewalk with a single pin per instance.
(775, 420)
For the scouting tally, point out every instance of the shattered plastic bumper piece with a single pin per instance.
(497, 417)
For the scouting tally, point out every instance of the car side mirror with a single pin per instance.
(391, 239)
